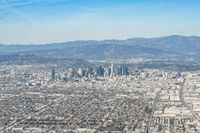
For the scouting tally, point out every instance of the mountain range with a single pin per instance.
(111, 49)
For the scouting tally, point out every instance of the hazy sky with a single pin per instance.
(46, 21)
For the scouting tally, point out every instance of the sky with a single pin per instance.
(49, 21)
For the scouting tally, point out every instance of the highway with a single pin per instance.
(184, 103)
(148, 125)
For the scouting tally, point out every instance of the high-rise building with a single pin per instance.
(122, 70)
(125, 70)
(71, 73)
(80, 72)
(107, 71)
(88, 72)
(53, 74)
(119, 70)
(100, 71)
(112, 69)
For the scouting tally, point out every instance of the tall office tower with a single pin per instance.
(112, 69)
(72, 73)
(122, 70)
(53, 74)
(119, 70)
(125, 70)
(88, 72)
(107, 71)
(100, 71)
(80, 72)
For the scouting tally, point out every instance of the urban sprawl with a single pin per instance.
(113, 98)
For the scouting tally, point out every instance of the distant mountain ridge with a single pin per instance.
(111, 49)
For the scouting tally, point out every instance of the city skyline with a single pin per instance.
(38, 22)
(99, 66)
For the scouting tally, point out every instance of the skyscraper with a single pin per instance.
(53, 74)
(122, 70)
(112, 69)
(88, 72)
(107, 71)
(125, 70)
(119, 70)
(80, 72)
(100, 71)
(71, 73)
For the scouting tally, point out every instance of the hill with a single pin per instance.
(111, 49)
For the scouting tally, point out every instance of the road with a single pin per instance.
(184, 103)
(32, 114)
(148, 125)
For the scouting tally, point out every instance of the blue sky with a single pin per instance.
(47, 21)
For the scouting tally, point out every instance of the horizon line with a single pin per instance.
(100, 40)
